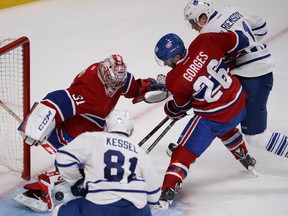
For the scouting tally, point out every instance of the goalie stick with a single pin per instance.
(48, 147)
(153, 131)
(160, 136)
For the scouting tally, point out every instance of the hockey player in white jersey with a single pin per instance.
(254, 67)
(119, 178)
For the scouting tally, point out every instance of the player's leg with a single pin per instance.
(254, 126)
(235, 143)
(194, 140)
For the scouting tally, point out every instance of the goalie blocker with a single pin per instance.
(38, 124)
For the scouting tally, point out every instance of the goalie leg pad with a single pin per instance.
(44, 195)
(38, 125)
(31, 200)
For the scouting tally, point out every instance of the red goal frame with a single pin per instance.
(25, 43)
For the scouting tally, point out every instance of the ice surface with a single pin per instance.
(68, 35)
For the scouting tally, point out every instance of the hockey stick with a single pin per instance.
(10, 111)
(153, 131)
(160, 137)
(49, 148)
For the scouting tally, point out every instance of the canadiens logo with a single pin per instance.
(169, 44)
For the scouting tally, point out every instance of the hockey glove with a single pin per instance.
(150, 84)
(79, 188)
(172, 112)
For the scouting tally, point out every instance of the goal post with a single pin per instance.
(14, 104)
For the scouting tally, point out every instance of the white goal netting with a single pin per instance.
(11, 96)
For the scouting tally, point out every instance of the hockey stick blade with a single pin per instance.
(153, 131)
(160, 137)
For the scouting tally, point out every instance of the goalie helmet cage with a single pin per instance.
(15, 104)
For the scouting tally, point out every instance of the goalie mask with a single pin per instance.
(120, 121)
(113, 74)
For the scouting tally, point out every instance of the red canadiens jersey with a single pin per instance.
(87, 90)
(202, 79)
(86, 97)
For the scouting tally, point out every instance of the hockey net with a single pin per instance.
(14, 105)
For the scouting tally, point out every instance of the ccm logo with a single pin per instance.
(45, 121)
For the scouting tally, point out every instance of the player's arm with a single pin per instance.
(257, 24)
(176, 108)
(70, 158)
(137, 89)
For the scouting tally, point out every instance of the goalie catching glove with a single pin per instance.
(38, 125)
(150, 84)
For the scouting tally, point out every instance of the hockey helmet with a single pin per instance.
(120, 121)
(195, 9)
(169, 46)
(113, 73)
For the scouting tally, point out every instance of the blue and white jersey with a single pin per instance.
(256, 60)
(115, 169)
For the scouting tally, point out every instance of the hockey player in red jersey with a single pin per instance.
(254, 67)
(200, 79)
(83, 107)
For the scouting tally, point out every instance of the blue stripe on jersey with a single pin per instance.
(261, 34)
(259, 27)
(62, 102)
(127, 83)
(154, 192)
(118, 190)
(69, 154)
(253, 60)
(65, 165)
(243, 42)
(184, 107)
(95, 119)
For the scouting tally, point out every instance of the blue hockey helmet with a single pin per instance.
(169, 46)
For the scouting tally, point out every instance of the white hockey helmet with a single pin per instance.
(120, 121)
(195, 9)
(113, 73)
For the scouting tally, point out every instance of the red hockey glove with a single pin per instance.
(148, 85)
(172, 112)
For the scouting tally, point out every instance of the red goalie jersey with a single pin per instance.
(88, 101)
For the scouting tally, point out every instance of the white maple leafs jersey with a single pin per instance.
(256, 60)
(114, 169)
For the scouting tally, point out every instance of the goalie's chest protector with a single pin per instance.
(95, 101)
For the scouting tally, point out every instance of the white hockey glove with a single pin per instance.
(38, 125)
(49, 191)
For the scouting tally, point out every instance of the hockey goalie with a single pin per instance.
(64, 114)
